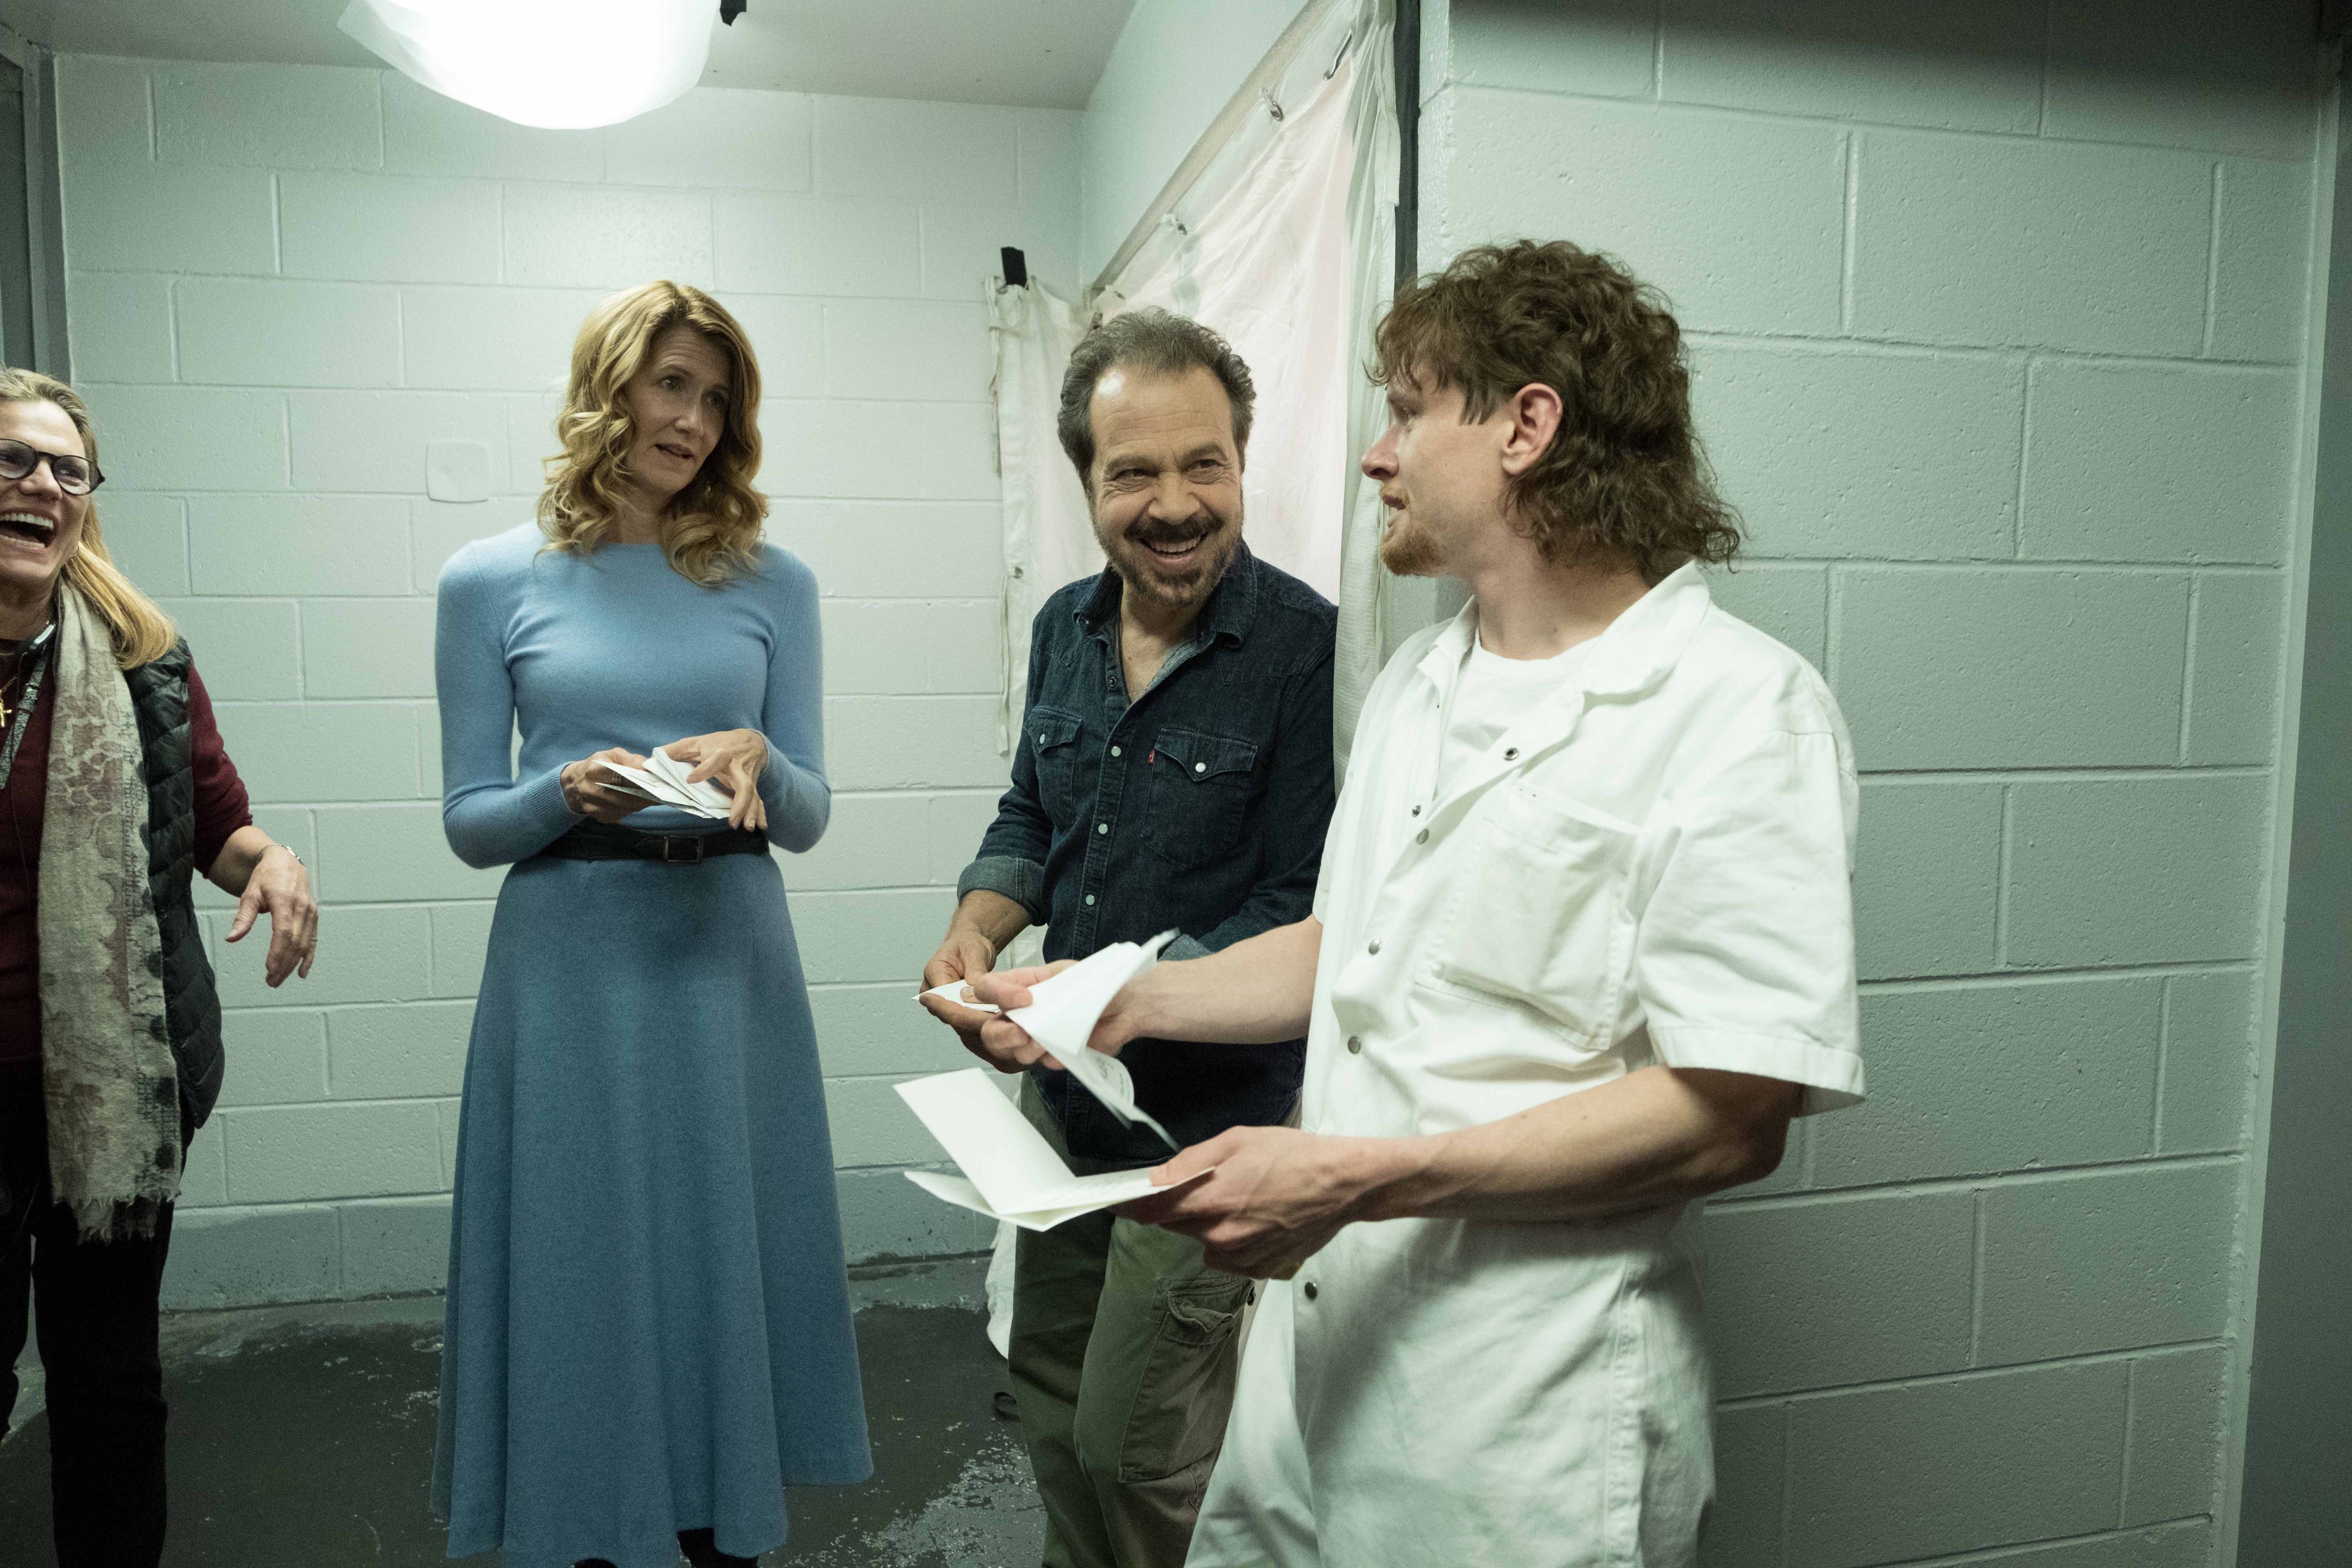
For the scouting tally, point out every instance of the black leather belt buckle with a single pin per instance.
(671, 843)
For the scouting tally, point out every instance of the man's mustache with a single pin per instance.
(1165, 534)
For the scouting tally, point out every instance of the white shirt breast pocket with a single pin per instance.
(1539, 915)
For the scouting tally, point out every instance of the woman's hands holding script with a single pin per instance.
(733, 759)
(589, 790)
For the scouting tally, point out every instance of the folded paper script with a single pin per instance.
(1009, 1171)
(1061, 1017)
(663, 782)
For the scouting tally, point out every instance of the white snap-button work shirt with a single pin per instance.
(1650, 867)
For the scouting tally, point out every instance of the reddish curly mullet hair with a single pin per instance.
(1624, 475)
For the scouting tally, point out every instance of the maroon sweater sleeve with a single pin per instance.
(222, 806)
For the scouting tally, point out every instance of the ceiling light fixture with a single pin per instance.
(562, 64)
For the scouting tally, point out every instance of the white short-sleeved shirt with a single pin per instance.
(1650, 865)
(1491, 694)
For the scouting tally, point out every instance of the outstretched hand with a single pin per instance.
(1004, 1043)
(1273, 1198)
(965, 955)
(279, 887)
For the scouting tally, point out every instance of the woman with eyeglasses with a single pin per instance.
(114, 791)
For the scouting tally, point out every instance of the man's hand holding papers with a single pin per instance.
(1009, 1171)
(1057, 1012)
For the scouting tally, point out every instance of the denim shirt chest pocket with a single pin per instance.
(1200, 787)
(1054, 740)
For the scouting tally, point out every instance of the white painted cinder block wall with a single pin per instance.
(1999, 316)
(284, 282)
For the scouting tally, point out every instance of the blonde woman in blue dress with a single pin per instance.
(649, 1332)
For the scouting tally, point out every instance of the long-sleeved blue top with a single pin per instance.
(614, 648)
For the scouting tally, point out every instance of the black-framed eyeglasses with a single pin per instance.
(75, 476)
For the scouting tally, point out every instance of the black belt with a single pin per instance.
(609, 841)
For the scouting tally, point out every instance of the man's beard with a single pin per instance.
(1142, 574)
(1407, 549)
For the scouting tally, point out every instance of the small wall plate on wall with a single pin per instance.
(457, 470)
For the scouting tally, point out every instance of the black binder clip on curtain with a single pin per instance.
(1016, 268)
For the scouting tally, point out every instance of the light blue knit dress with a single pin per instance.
(648, 1324)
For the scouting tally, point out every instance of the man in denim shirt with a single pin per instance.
(1174, 770)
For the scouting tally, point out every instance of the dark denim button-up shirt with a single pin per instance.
(1201, 805)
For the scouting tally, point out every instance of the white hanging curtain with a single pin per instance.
(1284, 242)
(1279, 231)
(1048, 539)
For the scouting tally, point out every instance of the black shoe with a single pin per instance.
(701, 1549)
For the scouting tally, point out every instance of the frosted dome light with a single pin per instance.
(564, 65)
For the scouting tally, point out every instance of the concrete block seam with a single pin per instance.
(2018, 139)
(1966, 1374)
(1976, 1182)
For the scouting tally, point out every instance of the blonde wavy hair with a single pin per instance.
(141, 633)
(711, 531)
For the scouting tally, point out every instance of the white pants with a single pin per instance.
(1260, 1507)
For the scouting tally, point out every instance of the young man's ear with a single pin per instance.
(1534, 412)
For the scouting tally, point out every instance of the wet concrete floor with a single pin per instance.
(303, 1437)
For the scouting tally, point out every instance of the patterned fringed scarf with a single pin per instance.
(113, 1094)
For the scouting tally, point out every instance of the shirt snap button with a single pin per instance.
(1102, 828)
(1374, 947)
(1090, 901)
(1355, 1044)
(1311, 1289)
(1114, 750)
(1199, 767)
(1422, 836)
(1512, 755)
(1416, 811)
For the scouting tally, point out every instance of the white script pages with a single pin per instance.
(1061, 1017)
(663, 781)
(1010, 1172)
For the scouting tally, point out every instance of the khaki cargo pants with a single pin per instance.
(1125, 1346)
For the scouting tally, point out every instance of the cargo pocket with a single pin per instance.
(1187, 1388)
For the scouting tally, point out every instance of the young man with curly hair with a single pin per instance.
(1581, 948)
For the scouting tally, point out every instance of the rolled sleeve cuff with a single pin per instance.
(1182, 948)
(1830, 1078)
(1023, 881)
